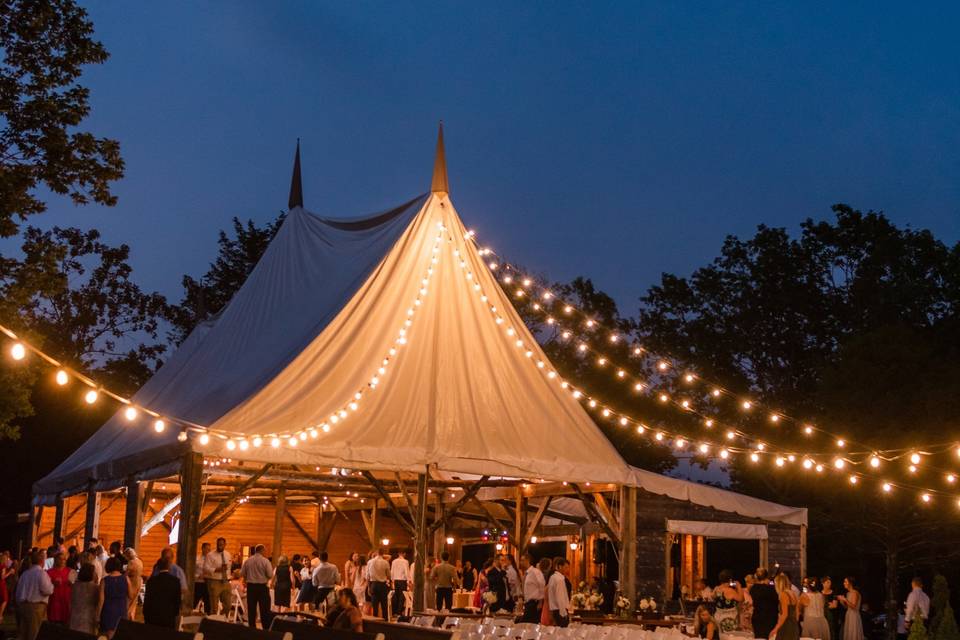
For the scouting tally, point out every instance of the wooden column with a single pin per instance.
(278, 525)
(419, 573)
(36, 515)
(91, 526)
(764, 553)
(803, 551)
(375, 525)
(628, 543)
(439, 530)
(191, 480)
(133, 515)
(520, 524)
(58, 521)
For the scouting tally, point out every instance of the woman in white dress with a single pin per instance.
(815, 623)
(359, 585)
(852, 623)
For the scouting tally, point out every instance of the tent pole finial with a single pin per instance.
(296, 183)
(440, 183)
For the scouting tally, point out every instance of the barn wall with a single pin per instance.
(250, 524)
(652, 513)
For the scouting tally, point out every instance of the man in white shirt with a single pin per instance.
(401, 577)
(200, 593)
(378, 575)
(918, 603)
(216, 573)
(257, 572)
(557, 593)
(325, 578)
(33, 591)
(534, 585)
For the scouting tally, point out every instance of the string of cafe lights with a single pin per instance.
(703, 447)
(21, 348)
(666, 364)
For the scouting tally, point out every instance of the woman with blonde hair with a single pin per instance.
(704, 626)
(788, 623)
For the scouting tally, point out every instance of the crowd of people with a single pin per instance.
(771, 606)
(93, 589)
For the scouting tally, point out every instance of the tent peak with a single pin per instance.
(440, 183)
(296, 183)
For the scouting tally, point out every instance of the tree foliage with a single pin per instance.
(45, 44)
(73, 294)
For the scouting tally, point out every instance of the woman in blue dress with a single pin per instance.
(115, 597)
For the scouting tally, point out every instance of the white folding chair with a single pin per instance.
(189, 621)
(238, 609)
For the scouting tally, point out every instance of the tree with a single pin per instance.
(943, 624)
(73, 295)
(236, 258)
(854, 326)
(45, 45)
(918, 631)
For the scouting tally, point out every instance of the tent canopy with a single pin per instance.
(387, 320)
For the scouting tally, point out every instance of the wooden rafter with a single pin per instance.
(406, 496)
(230, 502)
(158, 517)
(537, 519)
(591, 507)
(399, 515)
(469, 494)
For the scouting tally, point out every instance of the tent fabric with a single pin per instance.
(732, 530)
(309, 329)
(720, 499)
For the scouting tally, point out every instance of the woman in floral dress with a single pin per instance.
(727, 596)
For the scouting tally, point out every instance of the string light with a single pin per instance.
(18, 351)
(62, 378)
(91, 396)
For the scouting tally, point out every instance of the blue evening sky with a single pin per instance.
(613, 140)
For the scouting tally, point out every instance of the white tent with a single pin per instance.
(380, 343)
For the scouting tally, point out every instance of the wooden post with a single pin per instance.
(91, 527)
(133, 516)
(764, 553)
(58, 521)
(520, 524)
(582, 548)
(667, 569)
(36, 515)
(375, 526)
(319, 536)
(628, 543)
(191, 480)
(419, 573)
(278, 525)
(803, 551)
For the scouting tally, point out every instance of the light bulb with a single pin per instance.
(130, 413)
(257, 441)
(573, 546)
(159, 426)
(385, 542)
(715, 393)
(499, 547)
(91, 396)
(780, 461)
(808, 463)
(450, 540)
(18, 351)
(951, 478)
(841, 443)
(808, 430)
(275, 443)
(839, 463)
(746, 404)
(853, 479)
(292, 442)
(774, 418)
(533, 539)
(819, 468)
(754, 457)
(204, 439)
(875, 462)
(182, 436)
(724, 454)
(925, 497)
(915, 458)
(887, 487)
(244, 445)
(62, 378)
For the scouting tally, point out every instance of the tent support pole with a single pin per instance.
(91, 526)
(191, 479)
(520, 526)
(628, 543)
(281, 507)
(58, 521)
(133, 515)
(420, 561)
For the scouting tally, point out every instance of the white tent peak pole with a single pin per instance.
(296, 183)
(440, 183)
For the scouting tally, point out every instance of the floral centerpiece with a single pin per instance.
(623, 606)
(648, 608)
(586, 598)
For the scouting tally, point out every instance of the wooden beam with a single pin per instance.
(191, 480)
(537, 519)
(378, 486)
(420, 541)
(160, 515)
(145, 496)
(628, 542)
(230, 501)
(133, 516)
(551, 513)
(58, 521)
(600, 502)
(76, 509)
(468, 495)
(299, 527)
(91, 527)
(591, 508)
(152, 512)
(368, 525)
(543, 489)
(325, 529)
(279, 509)
(494, 520)
(76, 530)
(407, 498)
(520, 524)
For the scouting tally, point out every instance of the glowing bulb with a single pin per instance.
(774, 418)
(912, 468)
(638, 386)
(641, 429)
(746, 404)
(204, 439)
(808, 463)
(663, 365)
(533, 539)
(680, 442)
(915, 458)
(708, 423)
(819, 468)
(715, 393)
(808, 430)
(159, 426)
(257, 441)
(704, 448)
(659, 437)
(754, 457)
(841, 443)
(887, 487)
(875, 462)
(275, 443)
(724, 454)
(839, 463)
(853, 479)
(664, 397)
(231, 445)
(623, 422)
(244, 445)
(925, 497)
(573, 546)
(292, 442)
(731, 435)
(62, 377)
(385, 542)
(130, 413)
(182, 436)
(780, 461)
(761, 447)
(91, 396)
(18, 351)
(688, 377)
(951, 478)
